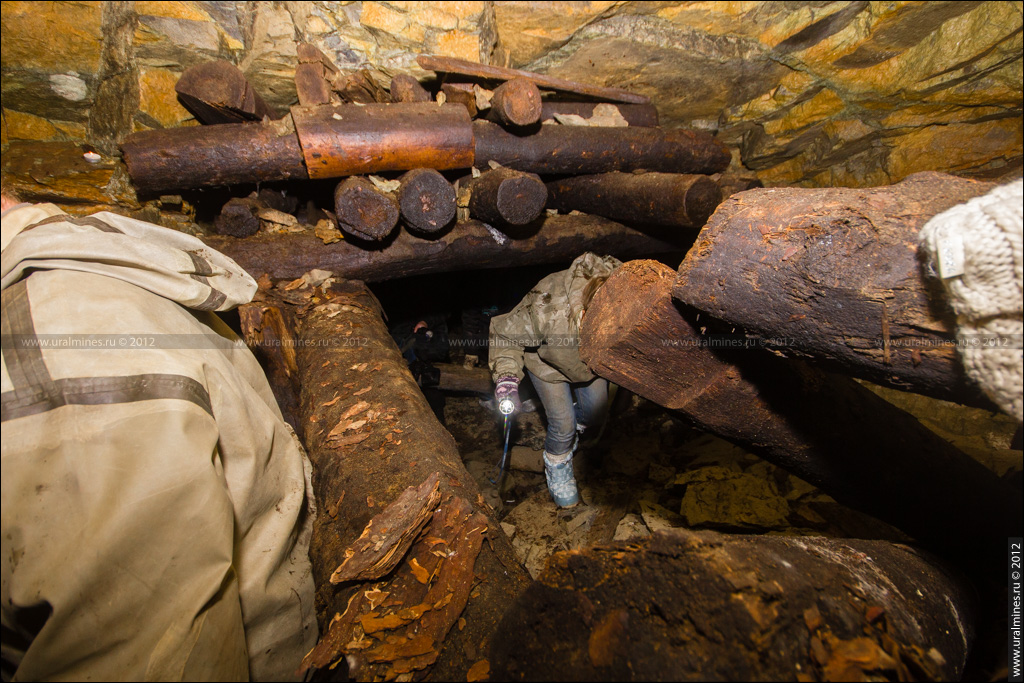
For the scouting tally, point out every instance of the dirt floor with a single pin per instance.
(650, 470)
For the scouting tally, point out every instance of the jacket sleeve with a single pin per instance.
(510, 335)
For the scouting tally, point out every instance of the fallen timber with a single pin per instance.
(426, 200)
(218, 92)
(828, 430)
(670, 199)
(365, 211)
(833, 275)
(575, 150)
(400, 137)
(500, 73)
(705, 606)
(506, 197)
(469, 245)
(411, 568)
(516, 102)
(405, 88)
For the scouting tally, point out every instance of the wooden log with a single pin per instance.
(350, 139)
(218, 92)
(359, 87)
(675, 200)
(467, 68)
(506, 197)
(460, 93)
(833, 274)
(517, 102)
(463, 379)
(706, 606)
(398, 549)
(426, 200)
(825, 429)
(365, 211)
(239, 217)
(643, 115)
(179, 158)
(575, 150)
(405, 88)
(467, 246)
(732, 183)
(311, 84)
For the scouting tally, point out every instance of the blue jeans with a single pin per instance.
(591, 399)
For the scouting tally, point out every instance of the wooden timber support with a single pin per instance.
(675, 200)
(575, 150)
(833, 274)
(365, 211)
(426, 200)
(218, 92)
(486, 71)
(506, 197)
(404, 547)
(712, 607)
(517, 102)
(468, 245)
(405, 88)
(827, 430)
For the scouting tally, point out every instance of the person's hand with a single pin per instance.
(506, 394)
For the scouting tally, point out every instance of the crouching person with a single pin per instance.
(541, 334)
(156, 519)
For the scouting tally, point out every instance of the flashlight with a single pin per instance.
(506, 406)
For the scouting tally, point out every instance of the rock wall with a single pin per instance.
(807, 93)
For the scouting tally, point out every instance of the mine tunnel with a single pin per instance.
(394, 341)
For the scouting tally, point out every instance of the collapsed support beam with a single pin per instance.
(404, 546)
(671, 199)
(827, 430)
(711, 607)
(467, 246)
(582, 149)
(833, 274)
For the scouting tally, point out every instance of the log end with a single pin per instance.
(702, 198)
(517, 102)
(364, 211)
(521, 198)
(426, 200)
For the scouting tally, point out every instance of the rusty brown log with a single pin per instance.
(467, 68)
(505, 197)
(383, 137)
(704, 606)
(239, 217)
(671, 199)
(643, 115)
(467, 246)
(576, 150)
(833, 275)
(405, 88)
(402, 528)
(426, 200)
(460, 93)
(365, 211)
(826, 429)
(218, 92)
(311, 84)
(731, 183)
(228, 154)
(516, 102)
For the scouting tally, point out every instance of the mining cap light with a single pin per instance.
(506, 406)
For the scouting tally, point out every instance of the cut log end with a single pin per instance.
(503, 196)
(364, 211)
(517, 102)
(238, 218)
(702, 198)
(426, 200)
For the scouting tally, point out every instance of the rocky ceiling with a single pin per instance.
(806, 93)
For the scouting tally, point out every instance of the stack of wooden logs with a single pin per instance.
(418, 157)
